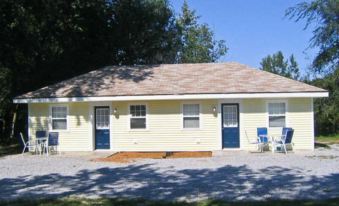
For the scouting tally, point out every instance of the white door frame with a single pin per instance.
(92, 105)
(230, 101)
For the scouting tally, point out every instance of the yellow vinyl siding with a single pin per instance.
(38, 118)
(76, 137)
(298, 116)
(164, 131)
(253, 115)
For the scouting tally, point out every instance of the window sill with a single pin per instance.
(191, 129)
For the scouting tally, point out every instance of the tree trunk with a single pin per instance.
(14, 120)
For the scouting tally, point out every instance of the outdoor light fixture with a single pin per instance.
(115, 110)
(214, 109)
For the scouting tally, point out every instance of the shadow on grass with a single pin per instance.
(10, 150)
(147, 181)
(321, 145)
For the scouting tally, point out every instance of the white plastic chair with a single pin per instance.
(53, 142)
(286, 140)
(257, 142)
(30, 144)
(42, 141)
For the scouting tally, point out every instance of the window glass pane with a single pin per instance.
(138, 123)
(277, 121)
(276, 108)
(59, 118)
(191, 122)
(59, 112)
(191, 109)
(138, 110)
(132, 109)
(102, 118)
(59, 124)
(230, 115)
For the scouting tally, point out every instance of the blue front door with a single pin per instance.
(230, 126)
(102, 128)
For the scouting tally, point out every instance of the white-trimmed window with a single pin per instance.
(137, 116)
(277, 114)
(191, 115)
(59, 117)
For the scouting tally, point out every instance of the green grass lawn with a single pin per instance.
(124, 202)
(333, 139)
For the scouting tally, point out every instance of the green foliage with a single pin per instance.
(327, 109)
(46, 41)
(324, 16)
(144, 32)
(197, 40)
(5, 90)
(277, 64)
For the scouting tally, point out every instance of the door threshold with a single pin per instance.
(231, 149)
(103, 150)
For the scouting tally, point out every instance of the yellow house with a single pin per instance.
(177, 107)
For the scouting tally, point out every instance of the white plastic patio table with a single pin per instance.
(41, 142)
(271, 142)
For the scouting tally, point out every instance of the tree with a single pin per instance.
(324, 15)
(46, 41)
(293, 69)
(197, 40)
(5, 96)
(144, 32)
(277, 64)
(327, 109)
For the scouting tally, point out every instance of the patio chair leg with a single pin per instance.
(285, 149)
(23, 151)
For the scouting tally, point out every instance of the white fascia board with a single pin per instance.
(174, 97)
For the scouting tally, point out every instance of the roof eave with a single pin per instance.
(317, 94)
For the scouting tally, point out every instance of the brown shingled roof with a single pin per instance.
(172, 79)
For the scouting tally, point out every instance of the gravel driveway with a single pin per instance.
(236, 175)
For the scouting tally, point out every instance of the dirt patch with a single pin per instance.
(188, 154)
(125, 157)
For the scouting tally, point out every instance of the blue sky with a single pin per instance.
(253, 29)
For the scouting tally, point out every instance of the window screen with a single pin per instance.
(102, 118)
(191, 118)
(277, 114)
(138, 116)
(230, 115)
(59, 118)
